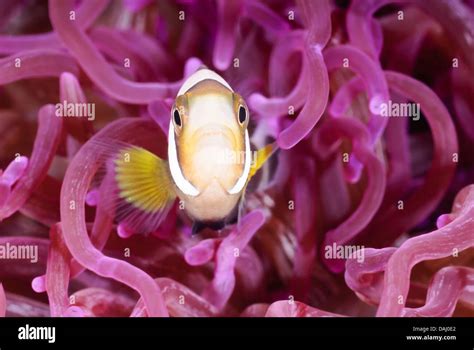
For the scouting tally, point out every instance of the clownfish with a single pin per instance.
(209, 165)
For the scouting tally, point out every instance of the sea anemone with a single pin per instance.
(367, 208)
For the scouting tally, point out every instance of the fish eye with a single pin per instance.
(243, 114)
(177, 118)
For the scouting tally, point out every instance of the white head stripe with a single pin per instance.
(239, 185)
(200, 75)
(184, 185)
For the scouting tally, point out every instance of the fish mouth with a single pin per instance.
(219, 136)
(214, 131)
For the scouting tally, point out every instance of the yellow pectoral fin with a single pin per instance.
(262, 156)
(145, 189)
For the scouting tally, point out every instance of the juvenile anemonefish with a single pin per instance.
(209, 160)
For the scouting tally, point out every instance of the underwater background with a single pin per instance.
(367, 208)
